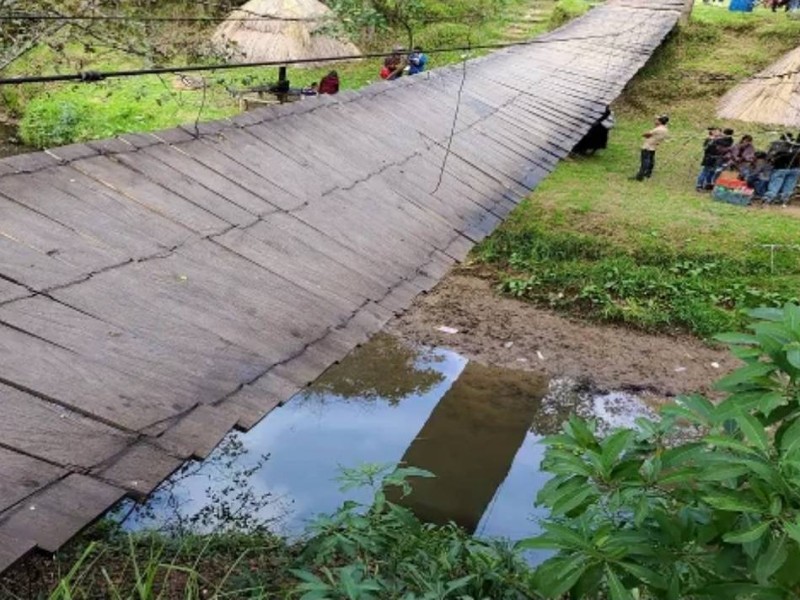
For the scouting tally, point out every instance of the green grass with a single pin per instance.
(658, 255)
(57, 114)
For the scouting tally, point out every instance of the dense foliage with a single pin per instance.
(704, 503)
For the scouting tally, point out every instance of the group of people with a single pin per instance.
(399, 63)
(772, 174)
(395, 65)
(749, 5)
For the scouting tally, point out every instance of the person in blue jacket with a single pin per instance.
(417, 61)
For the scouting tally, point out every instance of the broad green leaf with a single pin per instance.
(645, 575)
(736, 338)
(698, 405)
(723, 441)
(615, 444)
(766, 314)
(677, 477)
(793, 529)
(790, 440)
(742, 401)
(722, 472)
(556, 576)
(747, 374)
(770, 401)
(579, 429)
(568, 503)
(569, 537)
(771, 560)
(791, 318)
(793, 356)
(733, 501)
(745, 536)
(753, 431)
(616, 590)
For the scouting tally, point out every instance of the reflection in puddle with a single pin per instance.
(477, 428)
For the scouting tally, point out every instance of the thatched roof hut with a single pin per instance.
(771, 97)
(295, 33)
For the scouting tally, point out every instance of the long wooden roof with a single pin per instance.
(158, 290)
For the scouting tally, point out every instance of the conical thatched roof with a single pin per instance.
(771, 97)
(294, 34)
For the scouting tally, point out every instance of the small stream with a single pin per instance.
(477, 428)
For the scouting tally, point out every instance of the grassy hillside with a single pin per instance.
(658, 255)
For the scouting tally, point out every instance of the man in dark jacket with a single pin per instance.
(784, 155)
(705, 180)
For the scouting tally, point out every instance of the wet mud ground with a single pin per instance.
(506, 332)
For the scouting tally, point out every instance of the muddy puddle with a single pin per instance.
(477, 428)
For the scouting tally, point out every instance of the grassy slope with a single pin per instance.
(65, 113)
(657, 255)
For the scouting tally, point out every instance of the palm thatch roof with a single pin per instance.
(297, 32)
(771, 97)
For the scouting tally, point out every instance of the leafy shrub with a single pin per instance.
(385, 551)
(704, 503)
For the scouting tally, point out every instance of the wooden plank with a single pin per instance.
(57, 513)
(86, 386)
(319, 239)
(190, 374)
(48, 238)
(11, 291)
(253, 402)
(277, 197)
(54, 433)
(198, 433)
(187, 188)
(99, 198)
(63, 209)
(140, 469)
(119, 178)
(22, 476)
(217, 182)
(277, 167)
(300, 264)
(13, 549)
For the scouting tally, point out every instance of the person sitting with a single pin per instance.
(705, 181)
(759, 175)
(740, 156)
(393, 66)
(417, 61)
(784, 155)
(329, 84)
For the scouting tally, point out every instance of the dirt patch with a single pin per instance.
(505, 332)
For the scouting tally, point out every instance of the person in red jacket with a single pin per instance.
(329, 84)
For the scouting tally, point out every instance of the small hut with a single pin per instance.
(290, 29)
(771, 97)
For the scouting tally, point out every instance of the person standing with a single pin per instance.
(652, 140)
(705, 181)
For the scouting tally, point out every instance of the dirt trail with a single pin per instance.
(506, 332)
